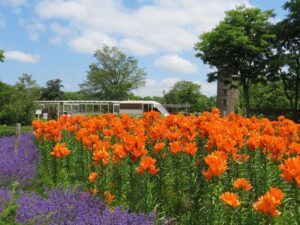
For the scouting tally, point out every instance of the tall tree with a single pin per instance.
(113, 76)
(53, 91)
(21, 105)
(286, 61)
(1, 55)
(238, 47)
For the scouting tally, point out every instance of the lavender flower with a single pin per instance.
(123, 217)
(19, 167)
(76, 208)
(5, 196)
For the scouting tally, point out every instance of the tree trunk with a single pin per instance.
(297, 83)
(245, 84)
(286, 92)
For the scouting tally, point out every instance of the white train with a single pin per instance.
(73, 107)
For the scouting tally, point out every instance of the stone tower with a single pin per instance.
(227, 96)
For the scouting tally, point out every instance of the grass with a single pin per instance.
(6, 130)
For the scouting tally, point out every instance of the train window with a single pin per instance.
(131, 106)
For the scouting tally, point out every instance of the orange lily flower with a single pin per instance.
(158, 147)
(60, 151)
(92, 177)
(147, 163)
(268, 202)
(217, 164)
(108, 197)
(291, 170)
(230, 199)
(242, 183)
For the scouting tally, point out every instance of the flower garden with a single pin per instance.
(110, 169)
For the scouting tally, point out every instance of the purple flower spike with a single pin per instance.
(5, 196)
(19, 167)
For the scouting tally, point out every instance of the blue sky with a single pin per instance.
(52, 39)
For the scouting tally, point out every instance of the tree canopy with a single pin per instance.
(5, 92)
(74, 95)
(1, 55)
(238, 47)
(20, 102)
(286, 61)
(188, 92)
(182, 92)
(113, 76)
(53, 91)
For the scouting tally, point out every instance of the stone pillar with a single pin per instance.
(17, 138)
(227, 96)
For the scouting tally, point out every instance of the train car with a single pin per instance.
(73, 107)
(138, 107)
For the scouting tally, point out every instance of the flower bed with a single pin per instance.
(201, 170)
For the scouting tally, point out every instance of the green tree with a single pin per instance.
(132, 96)
(74, 95)
(239, 47)
(206, 103)
(146, 98)
(113, 76)
(53, 91)
(5, 93)
(286, 61)
(183, 92)
(1, 55)
(21, 105)
(187, 92)
(268, 100)
(156, 98)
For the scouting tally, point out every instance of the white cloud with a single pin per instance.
(13, 3)
(162, 26)
(21, 56)
(61, 32)
(175, 64)
(59, 29)
(144, 1)
(156, 88)
(62, 9)
(136, 47)
(91, 41)
(2, 23)
(33, 27)
(209, 89)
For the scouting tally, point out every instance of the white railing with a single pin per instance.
(161, 109)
